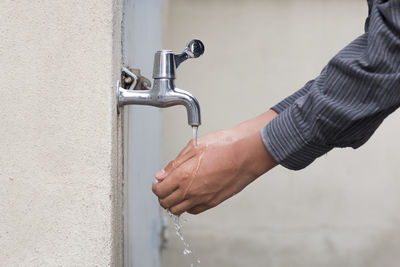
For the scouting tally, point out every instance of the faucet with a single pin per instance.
(164, 93)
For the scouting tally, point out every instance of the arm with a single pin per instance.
(343, 107)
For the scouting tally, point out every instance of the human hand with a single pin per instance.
(220, 166)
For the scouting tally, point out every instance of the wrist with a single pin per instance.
(252, 156)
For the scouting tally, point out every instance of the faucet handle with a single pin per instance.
(193, 49)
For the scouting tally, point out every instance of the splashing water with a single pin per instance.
(178, 229)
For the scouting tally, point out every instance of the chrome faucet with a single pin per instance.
(164, 93)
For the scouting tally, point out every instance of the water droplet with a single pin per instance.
(186, 251)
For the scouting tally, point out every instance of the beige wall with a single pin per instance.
(59, 188)
(341, 211)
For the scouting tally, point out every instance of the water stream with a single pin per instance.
(176, 219)
(195, 129)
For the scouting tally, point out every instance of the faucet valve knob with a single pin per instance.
(194, 49)
(166, 62)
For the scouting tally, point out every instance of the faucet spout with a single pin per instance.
(192, 106)
(163, 94)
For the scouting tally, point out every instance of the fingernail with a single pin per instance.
(155, 182)
(160, 174)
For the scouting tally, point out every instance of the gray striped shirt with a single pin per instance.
(347, 102)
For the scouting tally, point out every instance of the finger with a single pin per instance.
(198, 209)
(165, 188)
(181, 207)
(173, 199)
(180, 160)
(162, 174)
(187, 148)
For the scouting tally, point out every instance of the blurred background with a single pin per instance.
(343, 210)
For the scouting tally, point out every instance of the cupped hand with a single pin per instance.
(218, 167)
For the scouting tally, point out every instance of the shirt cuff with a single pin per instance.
(286, 142)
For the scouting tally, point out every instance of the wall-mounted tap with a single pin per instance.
(164, 93)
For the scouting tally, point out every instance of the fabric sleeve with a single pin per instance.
(343, 106)
(288, 101)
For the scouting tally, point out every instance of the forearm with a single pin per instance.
(347, 102)
(254, 125)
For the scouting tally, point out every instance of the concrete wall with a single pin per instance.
(341, 211)
(59, 153)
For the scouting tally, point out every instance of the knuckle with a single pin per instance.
(212, 203)
(180, 179)
(194, 212)
(170, 165)
(163, 204)
(185, 175)
(191, 194)
(208, 199)
(175, 211)
(173, 164)
(155, 190)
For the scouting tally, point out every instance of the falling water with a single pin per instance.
(176, 219)
(178, 229)
(195, 129)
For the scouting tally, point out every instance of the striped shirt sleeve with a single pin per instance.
(348, 101)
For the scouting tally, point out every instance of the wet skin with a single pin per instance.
(218, 167)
